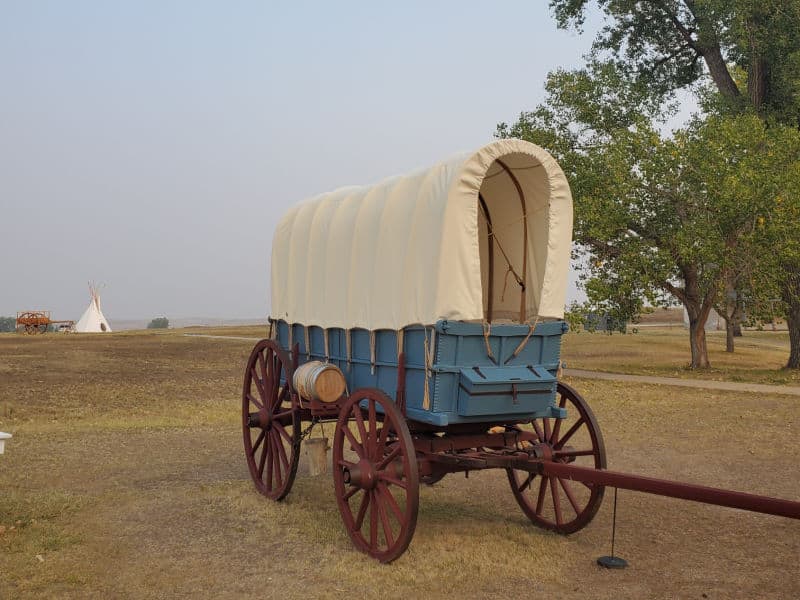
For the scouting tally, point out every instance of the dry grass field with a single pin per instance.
(126, 479)
(664, 351)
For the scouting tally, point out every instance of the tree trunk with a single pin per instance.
(698, 307)
(791, 297)
(718, 69)
(794, 340)
(697, 340)
(730, 329)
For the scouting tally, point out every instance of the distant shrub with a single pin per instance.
(158, 323)
(8, 324)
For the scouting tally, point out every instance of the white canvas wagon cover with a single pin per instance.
(482, 236)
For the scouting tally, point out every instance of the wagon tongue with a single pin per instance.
(672, 489)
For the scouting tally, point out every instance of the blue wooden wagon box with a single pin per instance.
(464, 385)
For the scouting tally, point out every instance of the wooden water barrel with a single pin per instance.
(316, 380)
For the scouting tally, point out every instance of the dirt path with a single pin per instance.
(731, 386)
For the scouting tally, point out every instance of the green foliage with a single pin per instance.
(574, 316)
(751, 48)
(694, 215)
(7, 324)
(158, 323)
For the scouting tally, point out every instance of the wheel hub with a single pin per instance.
(261, 419)
(361, 475)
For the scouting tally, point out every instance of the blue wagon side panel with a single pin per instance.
(503, 388)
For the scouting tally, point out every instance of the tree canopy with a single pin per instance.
(689, 215)
(159, 323)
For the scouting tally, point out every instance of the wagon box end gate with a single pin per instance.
(435, 301)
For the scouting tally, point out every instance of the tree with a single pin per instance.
(158, 323)
(639, 229)
(746, 51)
(8, 324)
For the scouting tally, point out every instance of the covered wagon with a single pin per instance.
(424, 315)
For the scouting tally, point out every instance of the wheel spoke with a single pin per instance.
(373, 429)
(282, 430)
(262, 461)
(387, 528)
(259, 439)
(570, 496)
(546, 430)
(276, 459)
(352, 439)
(277, 368)
(373, 522)
(351, 492)
(389, 479)
(542, 492)
(268, 450)
(556, 430)
(389, 457)
(390, 500)
(527, 482)
(283, 414)
(252, 399)
(362, 510)
(263, 376)
(560, 444)
(556, 501)
(538, 430)
(383, 436)
(255, 378)
(359, 419)
(282, 452)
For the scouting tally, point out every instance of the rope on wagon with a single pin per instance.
(487, 331)
(524, 342)
(327, 345)
(372, 351)
(291, 335)
(400, 333)
(271, 331)
(307, 339)
(428, 349)
(348, 348)
(492, 234)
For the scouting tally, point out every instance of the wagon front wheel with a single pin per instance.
(559, 504)
(270, 420)
(375, 475)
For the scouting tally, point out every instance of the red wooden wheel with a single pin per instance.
(375, 474)
(270, 420)
(553, 503)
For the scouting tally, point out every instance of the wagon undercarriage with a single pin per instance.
(556, 468)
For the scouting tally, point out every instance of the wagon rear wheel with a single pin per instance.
(554, 503)
(270, 420)
(375, 474)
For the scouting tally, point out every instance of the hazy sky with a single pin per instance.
(153, 146)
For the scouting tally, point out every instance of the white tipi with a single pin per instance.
(93, 320)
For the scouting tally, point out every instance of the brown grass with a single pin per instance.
(126, 476)
(759, 356)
